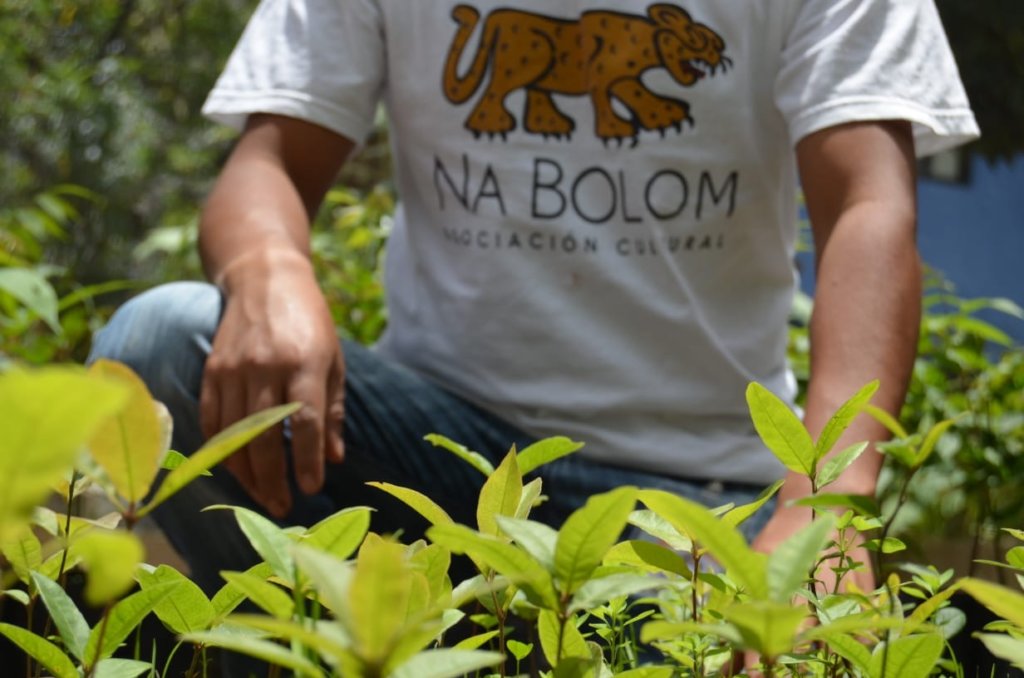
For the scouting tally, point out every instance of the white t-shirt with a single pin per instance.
(621, 284)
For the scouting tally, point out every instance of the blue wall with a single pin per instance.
(974, 234)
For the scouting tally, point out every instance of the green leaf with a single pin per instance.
(129, 445)
(791, 563)
(781, 430)
(648, 556)
(124, 617)
(745, 566)
(588, 533)
(842, 419)
(647, 672)
(661, 630)
(446, 663)
(659, 528)
(519, 650)
(174, 459)
(768, 628)
(474, 459)
(550, 630)
(908, 657)
(734, 517)
(537, 539)
(187, 609)
(342, 533)
(418, 502)
(259, 648)
(546, 451)
(1015, 557)
(925, 610)
(70, 623)
(230, 596)
(434, 562)
(120, 668)
(46, 415)
(379, 597)
(852, 650)
(43, 651)
(216, 450)
(595, 592)
(931, 440)
(1005, 602)
(110, 558)
(834, 467)
(886, 420)
(475, 642)
(31, 288)
(512, 562)
(500, 494)
(1005, 647)
(890, 545)
(267, 539)
(858, 503)
(268, 597)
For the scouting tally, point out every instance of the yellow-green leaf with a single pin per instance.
(259, 648)
(736, 516)
(842, 419)
(745, 566)
(511, 561)
(588, 533)
(187, 608)
(342, 533)
(379, 597)
(768, 628)
(474, 459)
(46, 416)
(781, 430)
(23, 551)
(560, 640)
(1005, 647)
(128, 446)
(268, 597)
(70, 622)
(1005, 602)
(834, 466)
(790, 564)
(417, 501)
(500, 494)
(546, 451)
(110, 558)
(908, 657)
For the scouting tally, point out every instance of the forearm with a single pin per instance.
(864, 327)
(258, 215)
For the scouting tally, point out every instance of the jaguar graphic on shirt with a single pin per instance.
(601, 55)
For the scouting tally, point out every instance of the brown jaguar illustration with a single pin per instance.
(601, 55)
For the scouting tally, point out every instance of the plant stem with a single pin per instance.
(499, 612)
(99, 640)
(193, 666)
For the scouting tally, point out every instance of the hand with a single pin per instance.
(276, 344)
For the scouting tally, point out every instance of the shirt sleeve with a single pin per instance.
(857, 60)
(322, 61)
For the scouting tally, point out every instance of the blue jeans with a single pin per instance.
(165, 336)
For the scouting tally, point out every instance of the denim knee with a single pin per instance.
(164, 334)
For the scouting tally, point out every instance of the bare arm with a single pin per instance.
(276, 342)
(860, 187)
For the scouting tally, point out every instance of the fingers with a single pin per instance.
(230, 405)
(335, 415)
(308, 426)
(266, 452)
